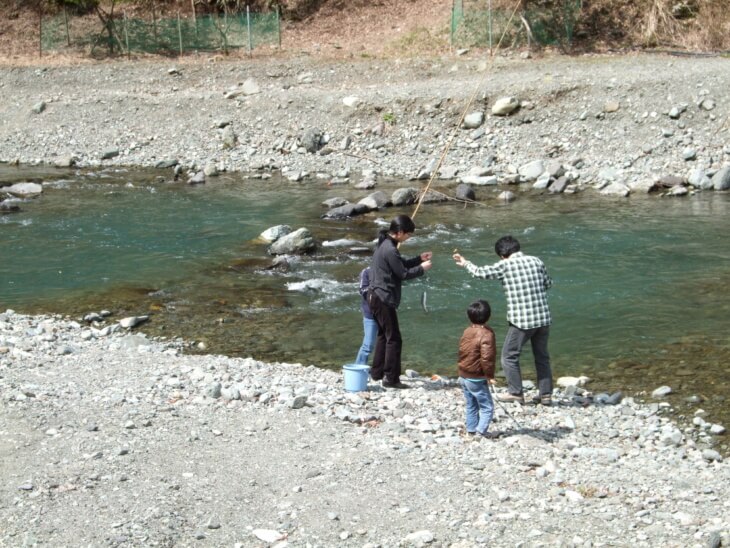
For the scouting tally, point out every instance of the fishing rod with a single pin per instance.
(449, 142)
(494, 393)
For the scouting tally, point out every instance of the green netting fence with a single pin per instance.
(172, 35)
(475, 23)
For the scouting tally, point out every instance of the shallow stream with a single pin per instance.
(640, 294)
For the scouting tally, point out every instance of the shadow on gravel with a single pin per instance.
(543, 434)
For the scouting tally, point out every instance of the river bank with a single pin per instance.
(119, 439)
(615, 123)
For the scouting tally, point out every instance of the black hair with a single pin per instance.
(479, 312)
(402, 223)
(506, 245)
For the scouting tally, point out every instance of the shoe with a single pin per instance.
(490, 435)
(546, 400)
(513, 398)
(399, 385)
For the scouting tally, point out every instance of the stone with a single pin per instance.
(404, 196)
(505, 106)
(531, 171)
(376, 200)
(721, 179)
(311, 139)
(611, 106)
(24, 190)
(465, 192)
(109, 154)
(507, 196)
(273, 233)
(661, 392)
(473, 120)
(559, 185)
(197, 179)
(229, 137)
(351, 101)
(39, 107)
(250, 87)
(346, 211)
(299, 241)
(132, 321)
(615, 189)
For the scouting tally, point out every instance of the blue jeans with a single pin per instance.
(479, 405)
(370, 328)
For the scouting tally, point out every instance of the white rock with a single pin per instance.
(267, 535)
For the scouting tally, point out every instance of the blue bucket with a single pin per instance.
(356, 377)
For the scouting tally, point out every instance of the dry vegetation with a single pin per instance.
(395, 27)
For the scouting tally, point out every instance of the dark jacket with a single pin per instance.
(389, 269)
(477, 352)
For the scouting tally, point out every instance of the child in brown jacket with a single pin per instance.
(477, 352)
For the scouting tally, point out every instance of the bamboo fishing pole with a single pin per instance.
(466, 109)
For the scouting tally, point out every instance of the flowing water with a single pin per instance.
(639, 298)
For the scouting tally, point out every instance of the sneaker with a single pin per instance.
(399, 385)
(545, 400)
(514, 398)
(490, 435)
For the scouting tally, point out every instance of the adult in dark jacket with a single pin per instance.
(388, 271)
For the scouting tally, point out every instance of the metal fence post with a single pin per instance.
(40, 30)
(65, 20)
(179, 33)
(248, 29)
(278, 24)
(490, 27)
(126, 34)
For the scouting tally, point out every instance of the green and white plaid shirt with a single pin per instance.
(525, 281)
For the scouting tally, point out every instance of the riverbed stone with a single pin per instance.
(404, 196)
(24, 189)
(721, 179)
(299, 241)
(273, 233)
(464, 192)
(347, 210)
(531, 171)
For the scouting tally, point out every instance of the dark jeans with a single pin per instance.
(388, 343)
(514, 341)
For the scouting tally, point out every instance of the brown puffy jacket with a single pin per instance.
(477, 352)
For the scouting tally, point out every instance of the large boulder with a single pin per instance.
(24, 189)
(274, 233)
(721, 179)
(531, 171)
(615, 189)
(465, 192)
(404, 196)
(345, 211)
(376, 200)
(298, 242)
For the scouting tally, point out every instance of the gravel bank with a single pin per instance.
(120, 440)
(622, 120)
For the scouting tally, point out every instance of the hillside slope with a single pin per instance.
(408, 27)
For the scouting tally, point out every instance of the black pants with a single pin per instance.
(388, 343)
